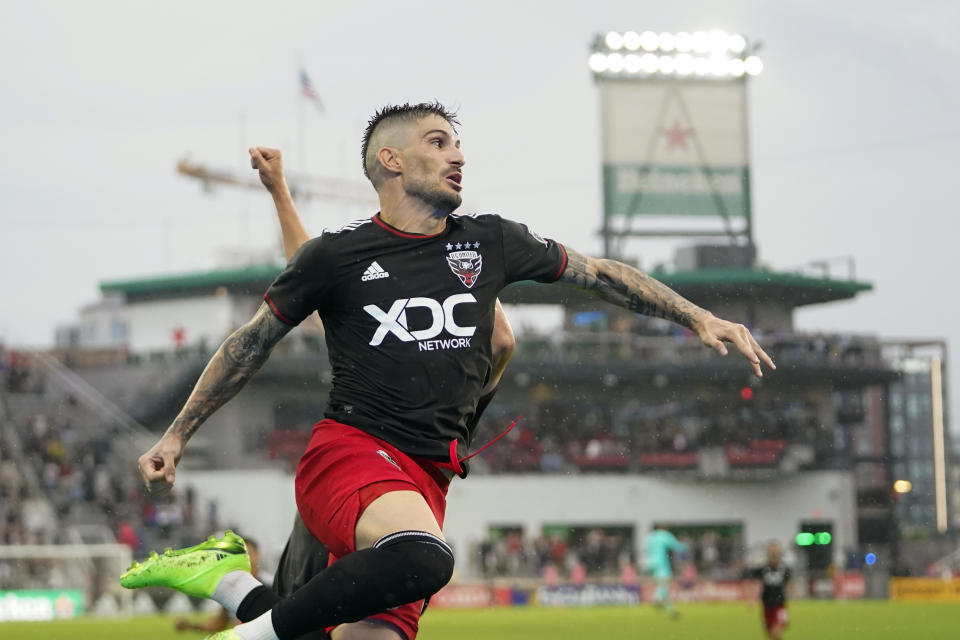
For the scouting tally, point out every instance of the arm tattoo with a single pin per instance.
(234, 363)
(630, 288)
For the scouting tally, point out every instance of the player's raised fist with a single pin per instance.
(158, 465)
(269, 162)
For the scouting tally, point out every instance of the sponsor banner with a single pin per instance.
(463, 596)
(40, 604)
(702, 591)
(590, 595)
(674, 148)
(925, 589)
(849, 585)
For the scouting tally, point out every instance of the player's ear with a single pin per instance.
(390, 159)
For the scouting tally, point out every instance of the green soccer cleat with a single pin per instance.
(228, 634)
(194, 571)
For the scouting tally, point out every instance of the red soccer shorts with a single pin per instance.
(774, 617)
(342, 471)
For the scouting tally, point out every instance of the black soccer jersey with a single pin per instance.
(774, 584)
(408, 320)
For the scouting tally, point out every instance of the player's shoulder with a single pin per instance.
(476, 219)
(346, 230)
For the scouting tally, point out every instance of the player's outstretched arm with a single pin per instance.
(234, 363)
(269, 162)
(628, 287)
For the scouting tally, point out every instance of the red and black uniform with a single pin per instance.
(773, 596)
(408, 321)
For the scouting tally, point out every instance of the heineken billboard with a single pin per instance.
(675, 147)
(40, 604)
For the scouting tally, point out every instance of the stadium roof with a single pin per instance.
(703, 285)
(250, 279)
(793, 289)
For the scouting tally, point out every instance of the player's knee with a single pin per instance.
(428, 558)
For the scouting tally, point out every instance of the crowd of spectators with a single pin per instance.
(564, 434)
(604, 553)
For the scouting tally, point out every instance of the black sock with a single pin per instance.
(400, 568)
(256, 603)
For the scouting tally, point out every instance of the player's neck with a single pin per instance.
(412, 215)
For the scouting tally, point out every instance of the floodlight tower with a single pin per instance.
(675, 139)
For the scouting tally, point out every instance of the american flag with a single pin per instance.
(308, 91)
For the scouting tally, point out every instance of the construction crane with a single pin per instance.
(303, 187)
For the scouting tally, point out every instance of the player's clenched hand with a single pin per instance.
(158, 466)
(269, 162)
(714, 331)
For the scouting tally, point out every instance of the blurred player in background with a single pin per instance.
(773, 576)
(408, 300)
(657, 547)
(222, 620)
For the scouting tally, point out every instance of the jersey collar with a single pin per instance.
(404, 234)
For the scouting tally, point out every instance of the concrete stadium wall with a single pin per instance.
(261, 503)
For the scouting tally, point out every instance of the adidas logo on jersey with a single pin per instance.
(374, 272)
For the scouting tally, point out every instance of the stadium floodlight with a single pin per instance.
(709, 55)
(649, 63)
(598, 62)
(902, 486)
(667, 42)
(631, 40)
(737, 43)
(736, 67)
(753, 65)
(701, 41)
(649, 41)
(615, 62)
(614, 40)
(631, 63)
(718, 41)
(684, 64)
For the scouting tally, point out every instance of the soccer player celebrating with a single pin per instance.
(407, 299)
(774, 577)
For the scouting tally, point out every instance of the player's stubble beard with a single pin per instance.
(433, 193)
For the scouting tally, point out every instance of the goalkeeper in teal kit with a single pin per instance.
(657, 547)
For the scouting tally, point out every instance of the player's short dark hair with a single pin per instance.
(405, 111)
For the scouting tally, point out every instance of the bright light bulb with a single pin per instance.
(598, 62)
(649, 41)
(701, 41)
(718, 40)
(649, 63)
(666, 64)
(736, 67)
(736, 43)
(631, 63)
(753, 65)
(615, 62)
(666, 41)
(684, 64)
(631, 40)
(718, 65)
(683, 42)
(701, 66)
(614, 40)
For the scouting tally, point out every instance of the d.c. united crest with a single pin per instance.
(466, 265)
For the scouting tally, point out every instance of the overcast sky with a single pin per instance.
(853, 126)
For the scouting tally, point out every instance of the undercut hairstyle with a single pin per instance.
(391, 114)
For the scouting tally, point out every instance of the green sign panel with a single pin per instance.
(40, 604)
(663, 190)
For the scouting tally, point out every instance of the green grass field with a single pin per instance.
(809, 621)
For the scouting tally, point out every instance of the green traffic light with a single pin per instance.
(823, 538)
(805, 539)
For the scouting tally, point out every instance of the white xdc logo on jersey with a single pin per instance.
(395, 319)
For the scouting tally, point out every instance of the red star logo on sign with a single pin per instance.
(677, 136)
